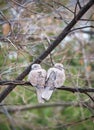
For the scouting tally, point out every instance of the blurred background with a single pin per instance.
(27, 28)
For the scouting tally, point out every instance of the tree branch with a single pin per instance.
(81, 28)
(63, 34)
(15, 82)
(15, 108)
(78, 122)
(66, 88)
(89, 96)
(80, 90)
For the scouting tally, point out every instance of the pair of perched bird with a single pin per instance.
(46, 82)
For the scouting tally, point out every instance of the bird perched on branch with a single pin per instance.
(55, 79)
(37, 78)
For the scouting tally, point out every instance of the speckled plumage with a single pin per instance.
(55, 79)
(37, 78)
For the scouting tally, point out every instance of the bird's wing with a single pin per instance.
(33, 77)
(60, 78)
(41, 78)
(37, 79)
(49, 87)
(50, 80)
(40, 85)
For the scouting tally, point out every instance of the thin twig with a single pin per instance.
(75, 10)
(9, 117)
(15, 82)
(17, 107)
(78, 2)
(11, 43)
(80, 121)
(81, 28)
(5, 18)
(89, 96)
(49, 43)
(76, 122)
(64, 6)
(24, 7)
(91, 20)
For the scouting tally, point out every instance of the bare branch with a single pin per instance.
(23, 7)
(4, 17)
(79, 121)
(89, 96)
(64, 6)
(80, 90)
(87, 20)
(9, 118)
(75, 10)
(88, 32)
(15, 108)
(15, 82)
(78, 2)
(66, 88)
(81, 28)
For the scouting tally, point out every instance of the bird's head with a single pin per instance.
(59, 66)
(35, 66)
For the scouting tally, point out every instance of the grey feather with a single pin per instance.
(55, 79)
(37, 78)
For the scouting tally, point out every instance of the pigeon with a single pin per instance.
(37, 78)
(55, 79)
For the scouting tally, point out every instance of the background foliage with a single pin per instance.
(34, 25)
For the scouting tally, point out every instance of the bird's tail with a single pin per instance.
(39, 92)
(47, 93)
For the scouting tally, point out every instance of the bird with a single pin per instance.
(55, 79)
(37, 78)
